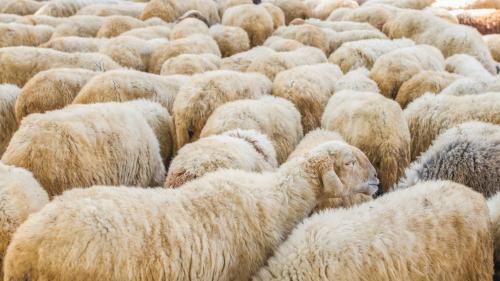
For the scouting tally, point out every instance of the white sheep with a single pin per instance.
(472, 86)
(420, 233)
(308, 87)
(241, 61)
(293, 9)
(275, 117)
(246, 150)
(306, 34)
(337, 39)
(11, 18)
(466, 154)
(313, 139)
(88, 145)
(431, 115)
(150, 32)
(466, 65)
(340, 26)
(8, 123)
(115, 25)
(75, 44)
(187, 27)
(271, 64)
(20, 196)
(422, 28)
(422, 83)
(493, 43)
(376, 15)
(223, 5)
(356, 80)
(50, 90)
(364, 53)
(196, 100)
(124, 85)
(20, 7)
(231, 39)
(182, 228)
(19, 64)
(276, 13)
(254, 19)
(280, 44)
(82, 26)
(391, 70)
(494, 207)
(124, 9)
(171, 10)
(15, 34)
(66, 8)
(375, 125)
(194, 44)
(189, 64)
(323, 8)
(404, 4)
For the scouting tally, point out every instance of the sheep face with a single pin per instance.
(347, 175)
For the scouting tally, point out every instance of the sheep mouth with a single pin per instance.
(370, 188)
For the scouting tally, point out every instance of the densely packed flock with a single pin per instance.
(247, 140)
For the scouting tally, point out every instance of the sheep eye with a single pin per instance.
(350, 163)
(190, 133)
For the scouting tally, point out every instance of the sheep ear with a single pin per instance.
(332, 185)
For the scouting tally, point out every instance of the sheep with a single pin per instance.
(8, 123)
(194, 44)
(50, 90)
(391, 70)
(340, 38)
(257, 211)
(430, 115)
(170, 10)
(442, 13)
(223, 5)
(241, 61)
(273, 63)
(467, 154)
(189, 64)
(308, 87)
(422, 83)
(376, 15)
(293, 9)
(230, 39)
(313, 139)
(276, 14)
(19, 64)
(280, 44)
(87, 145)
(45, 20)
(196, 100)
(131, 52)
(465, 65)
(66, 8)
(324, 8)
(15, 34)
(116, 25)
(453, 38)
(21, 7)
(364, 53)
(339, 26)
(275, 117)
(420, 233)
(103, 10)
(245, 150)
(494, 208)
(10, 18)
(404, 4)
(356, 80)
(493, 43)
(150, 32)
(75, 44)
(255, 20)
(306, 34)
(187, 27)
(124, 84)
(472, 86)
(20, 196)
(375, 125)
(488, 23)
(82, 26)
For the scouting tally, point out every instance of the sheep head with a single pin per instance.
(347, 176)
